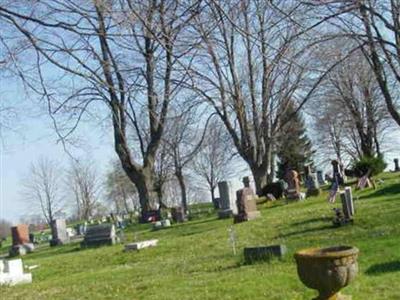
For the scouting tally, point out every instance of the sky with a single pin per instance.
(32, 138)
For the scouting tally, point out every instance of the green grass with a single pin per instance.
(195, 260)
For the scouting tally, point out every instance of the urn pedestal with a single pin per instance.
(327, 270)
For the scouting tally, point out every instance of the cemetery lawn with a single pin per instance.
(195, 260)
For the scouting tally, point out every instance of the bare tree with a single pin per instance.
(120, 190)
(375, 26)
(353, 116)
(249, 70)
(42, 189)
(122, 56)
(164, 171)
(184, 140)
(4, 230)
(86, 187)
(214, 162)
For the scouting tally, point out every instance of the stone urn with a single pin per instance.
(327, 270)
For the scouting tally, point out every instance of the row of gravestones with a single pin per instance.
(241, 206)
(23, 242)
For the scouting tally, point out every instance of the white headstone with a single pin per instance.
(14, 267)
(141, 245)
(12, 273)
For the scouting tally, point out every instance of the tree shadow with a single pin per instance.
(387, 267)
(325, 227)
(388, 190)
(313, 220)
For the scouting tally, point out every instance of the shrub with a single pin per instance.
(373, 165)
(275, 188)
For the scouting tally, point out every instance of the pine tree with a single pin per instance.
(294, 147)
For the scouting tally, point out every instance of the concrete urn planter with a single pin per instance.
(327, 270)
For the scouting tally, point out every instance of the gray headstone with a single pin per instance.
(98, 235)
(227, 198)
(349, 200)
(264, 252)
(345, 207)
(59, 233)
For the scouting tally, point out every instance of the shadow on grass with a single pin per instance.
(393, 266)
(388, 190)
(313, 220)
(316, 229)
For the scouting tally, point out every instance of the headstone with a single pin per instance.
(59, 233)
(20, 240)
(166, 223)
(320, 177)
(311, 182)
(396, 165)
(157, 225)
(338, 175)
(349, 200)
(178, 214)
(293, 190)
(20, 234)
(71, 232)
(141, 245)
(246, 205)
(227, 202)
(252, 254)
(12, 273)
(345, 215)
(98, 235)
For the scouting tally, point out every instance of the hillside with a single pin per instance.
(195, 260)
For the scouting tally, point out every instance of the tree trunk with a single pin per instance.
(260, 177)
(182, 185)
(213, 199)
(145, 187)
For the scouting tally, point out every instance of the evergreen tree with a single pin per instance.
(294, 147)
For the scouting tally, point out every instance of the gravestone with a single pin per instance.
(311, 182)
(312, 185)
(349, 200)
(345, 215)
(252, 254)
(293, 190)
(396, 165)
(227, 202)
(12, 273)
(338, 175)
(98, 235)
(246, 205)
(141, 245)
(178, 214)
(162, 224)
(59, 233)
(20, 240)
(320, 177)
(20, 234)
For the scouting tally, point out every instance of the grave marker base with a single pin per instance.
(252, 254)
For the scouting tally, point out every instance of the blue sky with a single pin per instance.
(33, 138)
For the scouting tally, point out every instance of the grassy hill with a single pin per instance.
(195, 260)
